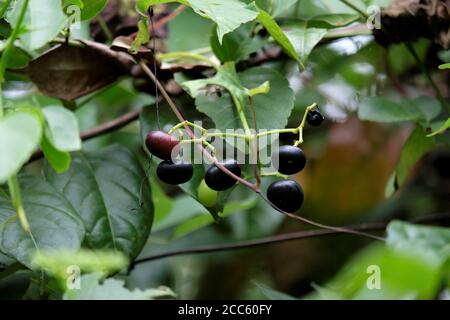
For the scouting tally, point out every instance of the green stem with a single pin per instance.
(16, 198)
(8, 49)
(106, 31)
(4, 8)
(433, 84)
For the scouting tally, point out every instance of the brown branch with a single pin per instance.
(375, 226)
(107, 127)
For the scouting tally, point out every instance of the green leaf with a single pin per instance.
(57, 262)
(415, 147)
(92, 8)
(93, 288)
(227, 14)
(381, 109)
(108, 190)
(59, 160)
(430, 242)
(42, 22)
(20, 134)
(237, 45)
(18, 58)
(222, 111)
(142, 37)
(442, 129)
(62, 128)
(278, 35)
(303, 38)
(444, 66)
(54, 223)
(188, 32)
(398, 273)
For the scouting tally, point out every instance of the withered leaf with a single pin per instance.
(68, 72)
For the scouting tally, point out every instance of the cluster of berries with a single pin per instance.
(286, 195)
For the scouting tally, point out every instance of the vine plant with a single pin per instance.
(78, 202)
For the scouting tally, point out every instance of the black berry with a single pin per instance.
(289, 159)
(174, 173)
(286, 195)
(218, 180)
(314, 118)
(161, 144)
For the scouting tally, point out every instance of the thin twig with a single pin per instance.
(375, 226)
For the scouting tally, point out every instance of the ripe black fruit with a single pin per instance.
(289, 159)
(174, 173)
(286, 195)
(218, 180)
(314, 118)
(161, 144)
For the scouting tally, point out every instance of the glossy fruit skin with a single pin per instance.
(174, 173)
(206, 195)
(218, 180)
(161, 144)
(289, 160)
(314, 118)
(286, 195)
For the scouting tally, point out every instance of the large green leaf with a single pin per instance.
(237, 45)
(62, 128)
(431, 242)
(303, 38)
(54, 223)
(42, 22)
(221, 109)
(59, 160)
(402, 275)
(381, 109)
(92, 8)
(20, 134)
(105, 188)
(227, 14)
(278, 35)
(93, 288)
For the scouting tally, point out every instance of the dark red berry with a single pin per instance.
(161, 144)
(314, 118)
(174, 173)
(286, 195)
(218, 180)
(289, 159)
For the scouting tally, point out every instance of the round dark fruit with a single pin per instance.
(289, 159)
(286, 195)
(218, 180)
(161, 144)
(174, 173)
(314, 118)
